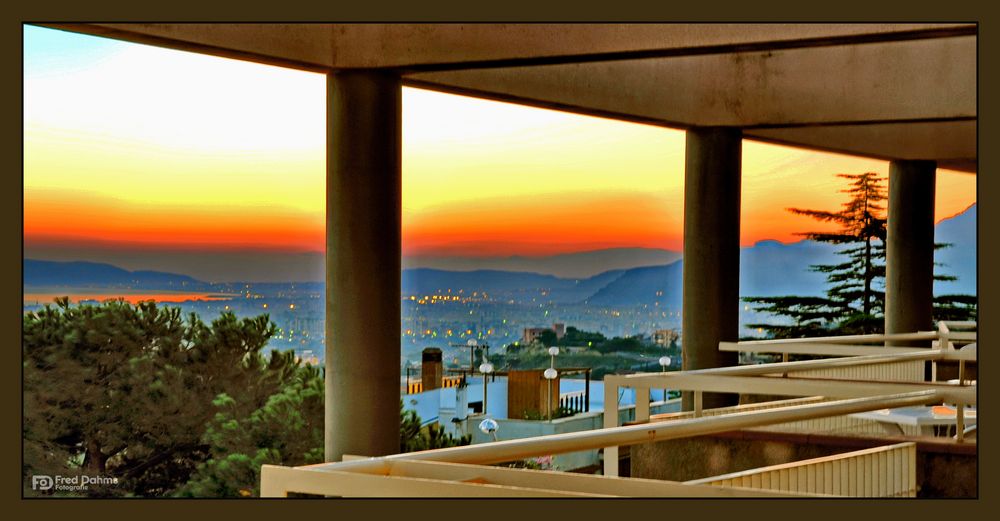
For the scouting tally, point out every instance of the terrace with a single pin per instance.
(833, 393)
(905, 93)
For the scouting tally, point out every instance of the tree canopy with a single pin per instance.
(169, 405)
(854, 300)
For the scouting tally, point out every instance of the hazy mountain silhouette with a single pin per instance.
(960, 258)
(425, 281)
(768, 268)
(430, 281)
(80, 273)
(771, 268)
(578, 265)
(645, 285)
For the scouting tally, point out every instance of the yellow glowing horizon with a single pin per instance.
(144, 145)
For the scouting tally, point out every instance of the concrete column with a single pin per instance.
(711, 253)
(363, 212)
(909, 267)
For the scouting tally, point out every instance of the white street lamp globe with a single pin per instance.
(472, 342)
(486, 368)
(488, 426)
(553, 350)
(550, 374)
(665, 361)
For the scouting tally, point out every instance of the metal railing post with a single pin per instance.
(960, 423)
(610, 421)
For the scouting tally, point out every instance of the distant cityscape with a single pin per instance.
(438, 319)
(445, 308)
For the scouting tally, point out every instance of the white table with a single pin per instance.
(931, 420)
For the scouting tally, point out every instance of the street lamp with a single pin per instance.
(551, 374)
(486, 368)
(664, 363)
(472, 343)
(489, 426)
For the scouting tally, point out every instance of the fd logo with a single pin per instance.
(41, 482)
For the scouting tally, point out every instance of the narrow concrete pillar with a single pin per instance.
(711, 253)
(363, 212)
(909, 266)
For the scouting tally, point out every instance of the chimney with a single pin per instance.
(431, 369)
(560, 329)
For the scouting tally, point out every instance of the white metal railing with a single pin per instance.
(829, 424)
(840, 397)
(852, 362)
(888, 471)
(347, 478)
(406, 478)
(950, 332)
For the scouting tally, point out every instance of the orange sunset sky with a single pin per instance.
(131, 146)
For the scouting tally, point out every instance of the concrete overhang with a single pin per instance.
(890, 91)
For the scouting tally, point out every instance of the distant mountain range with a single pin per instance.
(960, 258)
(84, 274)
(768, 268)
(568, 265)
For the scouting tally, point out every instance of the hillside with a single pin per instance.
(79, 273)
(768, 268)
(960, 258)
(579, 265)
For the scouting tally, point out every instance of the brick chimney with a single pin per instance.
(431, 369)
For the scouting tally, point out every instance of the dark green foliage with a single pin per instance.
(862, 222)
(855, 296)
(548, 338)
(810, 315)
(603, 355)
(619, 344)
(287, 429)
(560, 412)
(576, 337)
(413, 437)
(170, 406)
(125, 391)
(955, 307)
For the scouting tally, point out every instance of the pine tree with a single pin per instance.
(853, 301)
(168, 405)
(855, 298)
(124, 391)
(286, 428)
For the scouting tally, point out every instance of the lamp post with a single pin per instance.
(551, 374)
(472, 343)
(486, 368)
(664, 363)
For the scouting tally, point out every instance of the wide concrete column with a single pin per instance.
(363, 211)
(909, 266)
(711, 252)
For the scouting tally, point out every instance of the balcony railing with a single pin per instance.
(888, 471)
(826, 388)
(574, 402)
